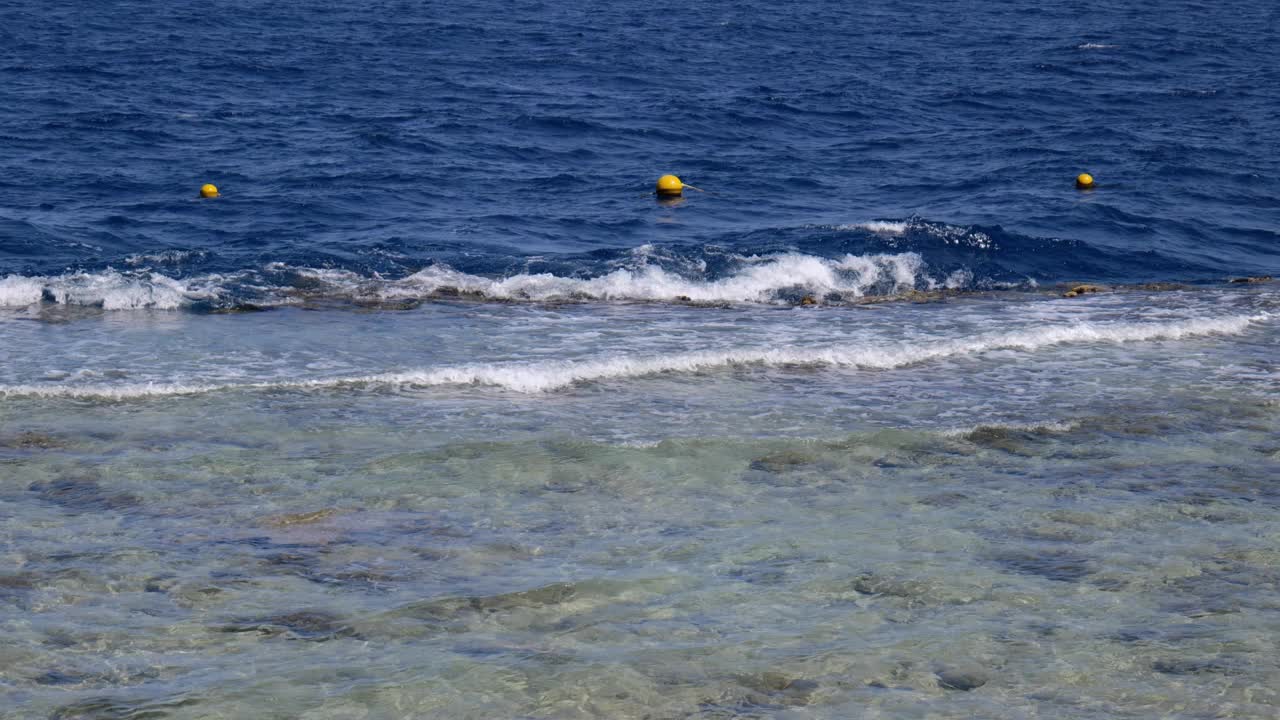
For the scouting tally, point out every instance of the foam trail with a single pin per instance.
(109, 289)
(19, 291)
(759, 280)
(549, 376)
(880, 227)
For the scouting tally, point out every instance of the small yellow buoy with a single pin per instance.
(209, 190)
(670, 186)
(1084, 181)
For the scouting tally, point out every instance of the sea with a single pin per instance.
(439, 412)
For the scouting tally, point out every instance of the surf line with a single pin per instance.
(534, 378)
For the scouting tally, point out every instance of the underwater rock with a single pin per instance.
(553, 594)
(305, 518)
(15, 586)
(59, 677)
(1191, 667)
(400, 304)
(312, 625)
(1056, 564)
(782, 461)
(450, 608)
(871, 584)
(1251, 280)
(961, 679)
(1009, 440)
(944, 498)
(18, 581)
(32, 441)
(83, 495)
(775, 689)
(239, 308)
(120, 708)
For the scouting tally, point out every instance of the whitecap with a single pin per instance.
(547, 376)
(109, 289)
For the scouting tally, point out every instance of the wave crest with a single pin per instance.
(540, 377)
(778, 278)
(109, 289)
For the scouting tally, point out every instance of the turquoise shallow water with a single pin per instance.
(981, 507)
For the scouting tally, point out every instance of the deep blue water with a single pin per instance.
(386, 137)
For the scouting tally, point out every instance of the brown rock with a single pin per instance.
(289, 519)
(1082, 289)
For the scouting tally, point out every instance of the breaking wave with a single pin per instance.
(540, 377)
(757, 279)
(110, 290)
(782, 265)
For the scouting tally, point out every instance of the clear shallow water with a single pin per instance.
(436, 414)
(1074, 513)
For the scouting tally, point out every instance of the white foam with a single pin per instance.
(1044, 427)
(880, 227)
(539, 377)
(166, 257)
(19, 291)
(958, 279)
(777, 278)
(760, 280)
(108, 289)
(1093, 46)
(949, 234)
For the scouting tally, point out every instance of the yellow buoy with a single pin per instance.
(1084, 181)
(209, 190)
(670, 186)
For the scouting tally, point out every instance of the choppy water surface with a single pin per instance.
(437, 413)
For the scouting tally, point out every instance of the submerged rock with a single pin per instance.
(450, 608)
(783, 460)
(1192, 667)
(775, 689)
(83, 495)
(1015, 441)
(313, 625)
(238, 308)
(16, 586)
(32, 441)
(961, 679)
(871, 584)
(60, 677)
(18, 581)
(288, 519)
(380, 304)
(553, 594)
(120, 708)
(1057, 564)
(1251, 280)
(946, 498)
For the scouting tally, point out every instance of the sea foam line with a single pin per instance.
(548, 376)
(756, 279)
